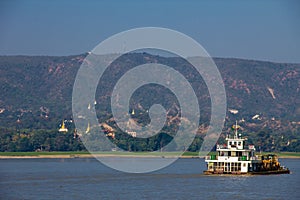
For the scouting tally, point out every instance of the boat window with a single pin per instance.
(234, 167)
(227, 167)
(239, 143)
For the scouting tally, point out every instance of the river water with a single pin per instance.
(86, 178)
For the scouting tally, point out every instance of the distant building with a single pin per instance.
(132, 133)
(88, 128)
(233, 111)
(256, 117)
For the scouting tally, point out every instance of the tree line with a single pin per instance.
(27, 140)
(12, 140)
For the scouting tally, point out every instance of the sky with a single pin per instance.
(266, 30)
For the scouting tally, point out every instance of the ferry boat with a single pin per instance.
(237, 158)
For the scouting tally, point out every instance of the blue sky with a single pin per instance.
(258, 29)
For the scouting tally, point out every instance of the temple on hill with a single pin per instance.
(63, 128)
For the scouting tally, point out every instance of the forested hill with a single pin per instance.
(36, 94)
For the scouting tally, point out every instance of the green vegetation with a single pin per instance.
(288, 154)
(38, 140)
(44, 153)
(52, 141)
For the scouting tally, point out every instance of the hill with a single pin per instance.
(36, 94)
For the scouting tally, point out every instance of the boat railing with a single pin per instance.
(243, 158)
(211, 157)
(254, 158)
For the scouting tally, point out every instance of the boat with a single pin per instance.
(235, 158)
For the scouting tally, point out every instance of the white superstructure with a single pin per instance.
(234, 157)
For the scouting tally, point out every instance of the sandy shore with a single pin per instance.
(107, 155)
(91, 156)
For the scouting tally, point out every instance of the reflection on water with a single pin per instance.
(88, 179)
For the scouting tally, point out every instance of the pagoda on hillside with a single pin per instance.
(63, 127)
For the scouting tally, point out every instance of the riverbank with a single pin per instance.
(23, 155)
